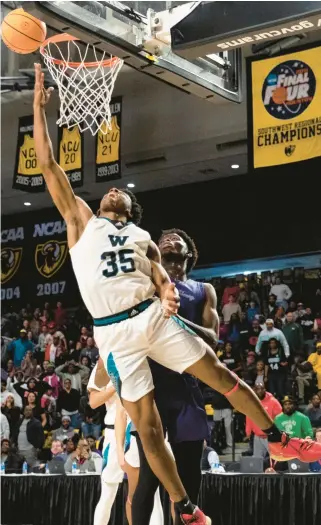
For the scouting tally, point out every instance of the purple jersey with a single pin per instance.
(178, 397)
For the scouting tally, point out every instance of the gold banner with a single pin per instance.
(285, 117)
(70, 154)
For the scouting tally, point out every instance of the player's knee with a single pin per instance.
(151, 435)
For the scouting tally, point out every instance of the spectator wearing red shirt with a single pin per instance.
(273, 408)
(231, 289)
(60, 315)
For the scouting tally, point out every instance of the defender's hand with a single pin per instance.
(41, 95)
(170, 301)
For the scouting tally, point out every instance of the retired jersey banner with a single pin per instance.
(284, 108)
(71, 154)
(27, 175)
(108, 159)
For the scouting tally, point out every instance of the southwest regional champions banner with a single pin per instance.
(108, 154)
(284, 108)
(27, 175)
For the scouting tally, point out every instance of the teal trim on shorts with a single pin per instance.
(128, 436)
(122, 316)
(113, 373)
(183, 325)
(105, 456)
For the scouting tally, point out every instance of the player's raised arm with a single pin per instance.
(55, 177)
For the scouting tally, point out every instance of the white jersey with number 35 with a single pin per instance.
(111, 266)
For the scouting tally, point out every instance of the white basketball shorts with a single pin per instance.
(125, 346)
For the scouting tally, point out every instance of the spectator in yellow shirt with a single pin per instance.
(315, 360)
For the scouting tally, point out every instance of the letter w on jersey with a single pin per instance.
(116, 240)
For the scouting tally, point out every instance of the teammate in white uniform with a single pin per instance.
(112, 473)
(118, 268)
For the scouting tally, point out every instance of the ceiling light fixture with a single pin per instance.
(130, 185)
(235, 166)
(27, 203)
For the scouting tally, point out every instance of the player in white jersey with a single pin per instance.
(118, 270)
(120, 453)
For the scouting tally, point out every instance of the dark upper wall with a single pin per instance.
(276, 212)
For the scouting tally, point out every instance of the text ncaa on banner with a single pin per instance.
(27, 174)
(285, 108)
(71, 154)
(108, 154)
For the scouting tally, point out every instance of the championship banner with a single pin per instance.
(108, 156)
(71, 154)
(27, 175)
(284, 105)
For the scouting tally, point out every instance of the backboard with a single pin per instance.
(139, 33)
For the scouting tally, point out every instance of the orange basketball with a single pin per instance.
(279, 95)
(22, 32)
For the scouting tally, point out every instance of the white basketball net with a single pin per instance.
(85, 90)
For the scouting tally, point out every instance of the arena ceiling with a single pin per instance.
(169, 138)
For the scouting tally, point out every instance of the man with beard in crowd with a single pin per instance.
(294, 423)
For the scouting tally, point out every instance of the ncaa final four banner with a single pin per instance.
(108, 151)
(71, 154)
(27, 175)
(284, 106)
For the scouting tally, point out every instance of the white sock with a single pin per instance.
(104, 505)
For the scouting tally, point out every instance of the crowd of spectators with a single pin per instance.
(47, 356)
(46, 360)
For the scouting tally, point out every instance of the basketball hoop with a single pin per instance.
(85, 87)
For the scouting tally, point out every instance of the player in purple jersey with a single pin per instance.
(178, 397)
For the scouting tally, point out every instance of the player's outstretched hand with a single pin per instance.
(170, 302)
(41, 95)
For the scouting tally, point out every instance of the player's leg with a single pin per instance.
(105, 503)
(188, 456)
(211, 372)
(175, 346)
(111, 476)
(132, 475)
(143, 500)
(145, 417)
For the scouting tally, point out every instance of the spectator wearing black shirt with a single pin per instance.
(230, 359)
(272, 306)
(314, 411)
(249, 368)
(306, 322)
(30, 437)
(68, 403)
(38, 412)
(276, 369)
(12, 413)
(92, 417)
(253, 334)
(75, 351)
(9, 456)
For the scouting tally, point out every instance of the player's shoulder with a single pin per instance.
(137, 229)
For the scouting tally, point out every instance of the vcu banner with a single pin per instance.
(284, 105)
(108, 160)
(71, 154)
(27, 175)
